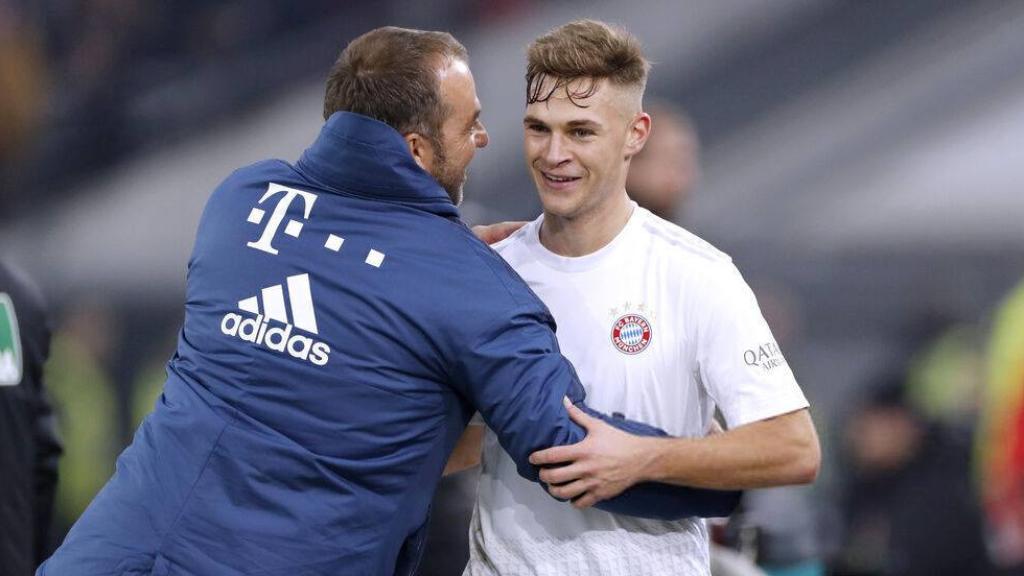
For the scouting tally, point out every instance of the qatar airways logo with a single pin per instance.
(767, 356)
(278, 326)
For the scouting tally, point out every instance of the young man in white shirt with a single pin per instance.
(659, 324)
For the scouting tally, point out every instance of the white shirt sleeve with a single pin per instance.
(741, 365)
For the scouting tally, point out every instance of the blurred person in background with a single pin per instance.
(612, 273)
(29, 447)
(89, 84)
(663, 176)
(308, 434)
(999, 454)
(84, 396)
(908, 506)
(22, 96)
(946, 376)
(22, 77)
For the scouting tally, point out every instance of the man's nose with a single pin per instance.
(556, 152)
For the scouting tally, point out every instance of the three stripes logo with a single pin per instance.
(273, 325)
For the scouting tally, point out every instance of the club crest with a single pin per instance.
(631, 334)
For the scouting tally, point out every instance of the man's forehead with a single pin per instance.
(457, 87)
(579, 99)
(563, 111)
(452, 66)
(578, 89)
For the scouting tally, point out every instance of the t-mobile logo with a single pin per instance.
(293, 228)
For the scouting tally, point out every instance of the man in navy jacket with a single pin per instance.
(342, 325)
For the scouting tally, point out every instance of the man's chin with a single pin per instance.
(456, 192)
(560, 206)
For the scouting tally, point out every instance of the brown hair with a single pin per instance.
(390, 74)
(583, 49)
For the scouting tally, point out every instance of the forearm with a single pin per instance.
(773, 452)
(467, 452)
(652, 499)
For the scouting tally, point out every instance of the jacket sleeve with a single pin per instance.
(48, 447)
(48, 451)
(514, 374)
(663, 501)
(35, 339)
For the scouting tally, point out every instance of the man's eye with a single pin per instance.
(536, 128)
(582, 132)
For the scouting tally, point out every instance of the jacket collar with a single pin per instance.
(358, 155)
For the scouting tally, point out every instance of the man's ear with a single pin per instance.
(421, 149)
(639, 131)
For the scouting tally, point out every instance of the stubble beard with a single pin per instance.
(451, 179)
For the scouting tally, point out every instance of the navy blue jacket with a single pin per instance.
(342, 325)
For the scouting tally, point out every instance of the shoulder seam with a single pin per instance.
(517, 235)
(681, 238)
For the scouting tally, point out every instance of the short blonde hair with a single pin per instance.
(584, 49)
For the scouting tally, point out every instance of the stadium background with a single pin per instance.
(862, 162)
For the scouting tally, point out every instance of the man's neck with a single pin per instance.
(587, 233)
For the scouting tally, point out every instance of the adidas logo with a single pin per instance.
(259, 330)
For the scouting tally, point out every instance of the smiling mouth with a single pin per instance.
(558, 179)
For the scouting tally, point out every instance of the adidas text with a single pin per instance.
(279, 339)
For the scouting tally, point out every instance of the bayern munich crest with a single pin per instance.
(631, 334)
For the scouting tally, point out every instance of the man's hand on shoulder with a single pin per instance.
(599, 467)
(494, 233)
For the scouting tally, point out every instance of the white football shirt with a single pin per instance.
(661, 328)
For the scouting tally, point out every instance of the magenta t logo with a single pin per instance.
(293, 228)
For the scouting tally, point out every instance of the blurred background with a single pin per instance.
(862, 161)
